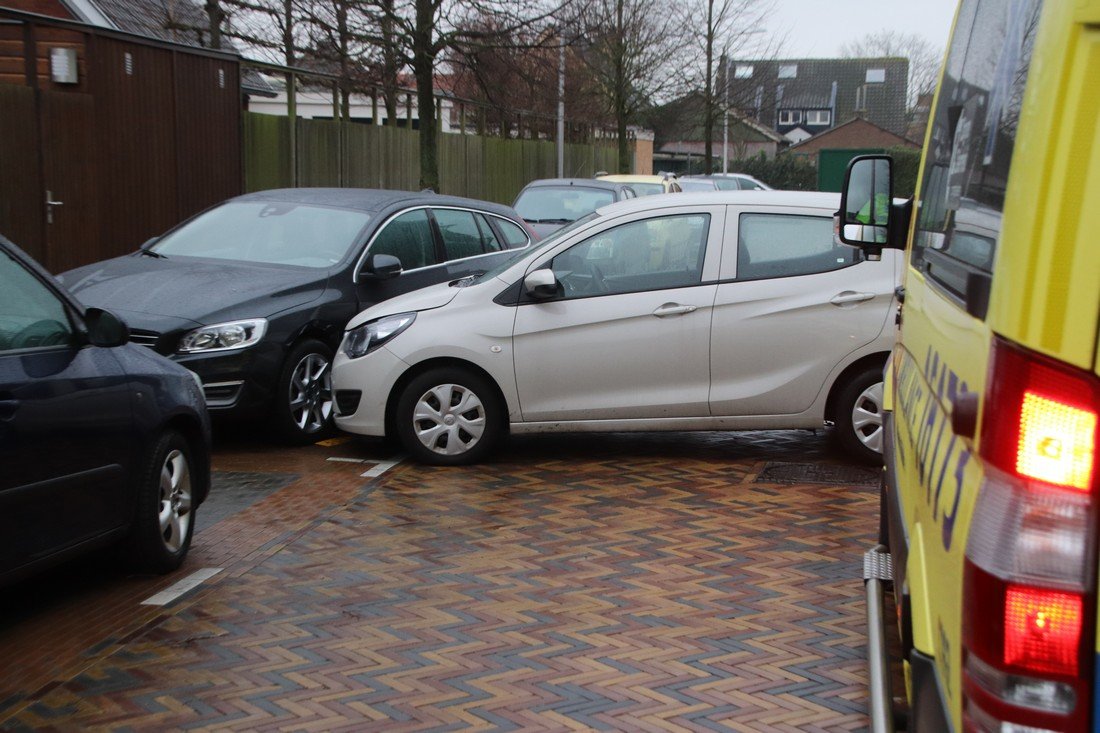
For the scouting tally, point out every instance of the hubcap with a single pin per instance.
(311, 393)
(867, 417)
(449, 419)
(175, 500)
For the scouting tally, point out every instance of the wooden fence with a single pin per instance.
(331, 153)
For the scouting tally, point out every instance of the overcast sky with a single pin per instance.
(817, 28)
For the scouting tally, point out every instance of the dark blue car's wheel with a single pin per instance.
(304, 397)
(165, 518)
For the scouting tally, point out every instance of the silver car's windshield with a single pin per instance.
(550, 241)
(269, 232)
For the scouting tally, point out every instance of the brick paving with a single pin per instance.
(624, 582)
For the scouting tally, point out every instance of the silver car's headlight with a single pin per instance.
(364, 339)
(224, 336)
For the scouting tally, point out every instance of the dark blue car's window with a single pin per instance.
(30, 315)
(268, 232)
(408, 238)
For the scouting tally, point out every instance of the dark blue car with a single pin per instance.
(101, 441)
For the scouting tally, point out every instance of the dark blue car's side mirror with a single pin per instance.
(105, 328)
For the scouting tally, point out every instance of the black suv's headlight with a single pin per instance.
(368, 337)
(224, 336)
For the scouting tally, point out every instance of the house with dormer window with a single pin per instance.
(800, 98)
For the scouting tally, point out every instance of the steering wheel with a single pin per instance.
(581, 271)
(46, 332)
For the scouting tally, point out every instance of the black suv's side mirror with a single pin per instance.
(868, 217)
(105, 328)
(382, 266)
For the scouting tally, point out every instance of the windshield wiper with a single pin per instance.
(468, 280)
(151, 253)
(550, 221)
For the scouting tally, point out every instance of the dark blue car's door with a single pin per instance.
(65, 425)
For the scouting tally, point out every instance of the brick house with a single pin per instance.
(856, 133)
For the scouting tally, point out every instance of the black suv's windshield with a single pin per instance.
(268, 232)
(561, 204)
(550, 240)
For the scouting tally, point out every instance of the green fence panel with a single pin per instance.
(319, 153)
(360, 170)
(267, 162)
(332, 153)
(475, 167)
(452, 165)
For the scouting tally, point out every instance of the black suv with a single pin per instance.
(100, 441)
(253, 294)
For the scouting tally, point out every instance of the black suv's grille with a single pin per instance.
(347, 401)
(145, 338)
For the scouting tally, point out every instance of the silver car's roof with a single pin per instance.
(813, 199)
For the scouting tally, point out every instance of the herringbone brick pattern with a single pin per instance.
(656, 587)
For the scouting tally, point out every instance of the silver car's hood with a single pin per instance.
(433, 296)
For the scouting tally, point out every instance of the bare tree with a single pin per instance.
(423, 30)
(724, 28)
(630, 49)
(924, 58)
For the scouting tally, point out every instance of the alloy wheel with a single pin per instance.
(311, 393)
(175, 500)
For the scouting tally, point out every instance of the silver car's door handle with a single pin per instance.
(850, 296)
(674, 309)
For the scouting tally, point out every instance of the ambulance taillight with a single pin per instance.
(1029, 586)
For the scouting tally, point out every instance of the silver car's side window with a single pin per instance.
(651, 254)
(786, 245)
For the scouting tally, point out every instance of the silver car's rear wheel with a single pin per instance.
(867, 417)
(449, 416)
(857, 412)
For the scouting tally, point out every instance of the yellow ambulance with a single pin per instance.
(990, 496)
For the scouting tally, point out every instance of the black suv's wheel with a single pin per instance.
(303, 398)
(448, 417)
(859, 416)
(165, 517)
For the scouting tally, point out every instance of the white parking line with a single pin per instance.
(173, 592)
(348, 460)
(382, 467)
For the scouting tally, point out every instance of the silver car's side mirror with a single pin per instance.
(542, 284)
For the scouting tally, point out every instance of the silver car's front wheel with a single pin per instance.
(449, 419)
(449, 416)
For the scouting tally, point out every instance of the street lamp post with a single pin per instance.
(561, 106)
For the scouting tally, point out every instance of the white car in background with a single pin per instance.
(708, 311)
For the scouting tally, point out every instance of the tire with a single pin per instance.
(303, 397)
(165, 518)
(433, 431)
(858, 419)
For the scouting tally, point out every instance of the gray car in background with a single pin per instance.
(729, 182)
(549, 204)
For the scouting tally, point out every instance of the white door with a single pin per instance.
(791, 305)
(629, 335)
